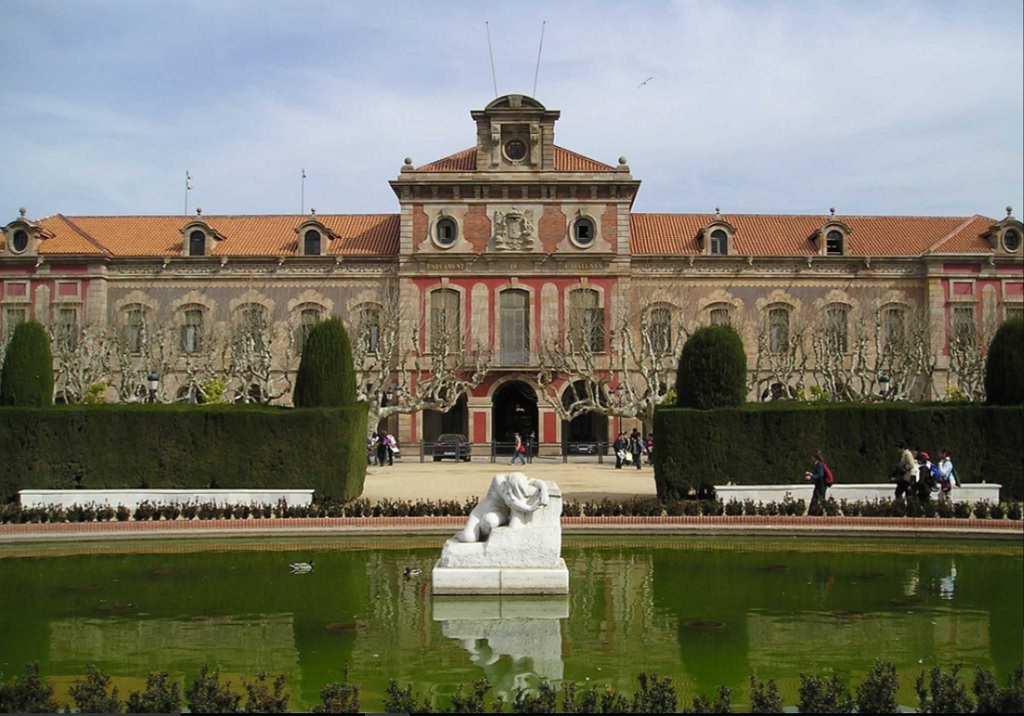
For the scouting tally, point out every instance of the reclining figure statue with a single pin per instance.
(510, 500)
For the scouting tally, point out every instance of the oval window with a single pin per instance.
(1011, 240)
(583, 231)
(20, 241)
(446, 232)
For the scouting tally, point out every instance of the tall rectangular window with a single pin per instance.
(661, 331)
(253, 327)
(445, 333)
(719, 316)
(12, 317)
(134, 328)
(67, 328)
(893, 330)
(778, 330)
(515, 327)
(965, 330)
(586, 320)
(369, 328)
(192, 330)
(835, 328)
(309, 317)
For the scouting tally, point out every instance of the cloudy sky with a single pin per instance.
(755, 107)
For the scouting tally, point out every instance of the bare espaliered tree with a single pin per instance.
(969, 340)
(629, 378)
(398, 371)
(258, 356)
(871, 352)
(81, 358)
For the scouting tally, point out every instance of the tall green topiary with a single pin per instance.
(26, 378)
(327, 377)
(1004, 366)
(712, 370)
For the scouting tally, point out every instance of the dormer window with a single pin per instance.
(584, 232)
(834, 243)
(313, 237)
(19, 242)
(446, 232)
(718, 237)
(312, 243)
(719, 243)
(197, 243)
(833, 237)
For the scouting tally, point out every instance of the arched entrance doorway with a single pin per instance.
(456, 420)
(582, 433)
(513, 410)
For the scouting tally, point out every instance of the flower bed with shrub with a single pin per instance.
(12, 513)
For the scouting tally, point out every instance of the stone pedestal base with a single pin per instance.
(501, 580)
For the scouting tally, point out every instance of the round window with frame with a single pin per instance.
(1011, 240)
(446, 232)
(583, 232)
(19, 242)
(515, 150)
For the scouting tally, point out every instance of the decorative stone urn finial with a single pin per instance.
(22, 212)
(199, 211)
(832, 210)
(1009, 211)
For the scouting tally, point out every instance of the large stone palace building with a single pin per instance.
(514, 290)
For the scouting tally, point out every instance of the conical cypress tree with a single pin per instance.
(26, 378)
(712, 369)
(327, 377)
(1004, 366)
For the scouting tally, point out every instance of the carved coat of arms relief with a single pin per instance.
(513, 230)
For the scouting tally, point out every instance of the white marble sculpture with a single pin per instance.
(511, 544)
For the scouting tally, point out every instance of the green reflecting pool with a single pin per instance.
(704, 611)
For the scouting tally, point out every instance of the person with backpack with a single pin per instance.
(927, 481)
(636, 448)
(821, 476)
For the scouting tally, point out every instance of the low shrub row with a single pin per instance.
(938, 690)
(12, 513)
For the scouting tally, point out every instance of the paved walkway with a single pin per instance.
(448, 480)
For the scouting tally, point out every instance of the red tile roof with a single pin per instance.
(790, 235)
(378, 234)
(357, 234)
(565, 161)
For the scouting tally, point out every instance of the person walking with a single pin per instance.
(519, 451)
(382, 449)
(620, 446)
(947, 477)
(636, 448)
(905, 473)
(819, 476)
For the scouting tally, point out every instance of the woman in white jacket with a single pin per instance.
(947, 479)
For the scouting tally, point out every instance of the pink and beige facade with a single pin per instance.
(517, 238)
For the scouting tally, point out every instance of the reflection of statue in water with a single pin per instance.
(510, 500)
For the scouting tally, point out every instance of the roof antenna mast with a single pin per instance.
(490, 49)
(188, 188)
(541, 47)
(302, 200)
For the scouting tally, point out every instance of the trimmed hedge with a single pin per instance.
(26, 378)
(772, 444)
(712, 370)
(326, 376)
(183, 447)
(1004, 365)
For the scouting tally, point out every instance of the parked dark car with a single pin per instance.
(452, 445)
(582, 448)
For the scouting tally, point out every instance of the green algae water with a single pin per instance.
(704, 611)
